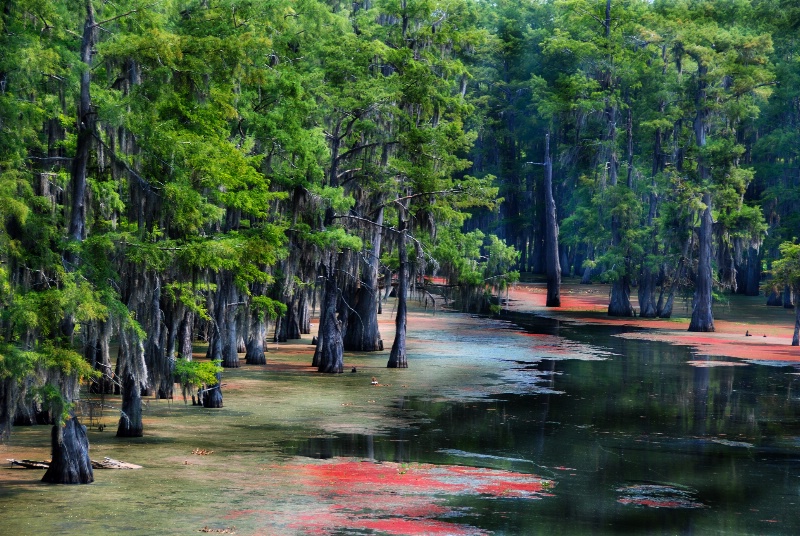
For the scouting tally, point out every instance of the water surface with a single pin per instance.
(634, 438)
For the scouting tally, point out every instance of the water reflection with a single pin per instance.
(642, 442)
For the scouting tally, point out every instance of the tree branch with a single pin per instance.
(131, 12)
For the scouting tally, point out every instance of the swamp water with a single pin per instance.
(499, 427)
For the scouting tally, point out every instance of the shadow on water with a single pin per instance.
(639, 443)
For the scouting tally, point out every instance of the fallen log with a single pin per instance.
(29, 464)
(107, 463)
(110, 463)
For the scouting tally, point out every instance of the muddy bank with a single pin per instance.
(770, 328)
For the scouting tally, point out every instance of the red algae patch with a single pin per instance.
(396, 498)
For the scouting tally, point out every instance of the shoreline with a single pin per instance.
(769, 341)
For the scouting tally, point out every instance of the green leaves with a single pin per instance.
(196, 374)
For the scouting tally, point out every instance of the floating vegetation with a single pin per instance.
(658, 496)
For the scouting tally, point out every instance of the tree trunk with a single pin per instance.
(647, 278)
(212, 397)
(753, 276)
(70, 449)
(397, 357)
(586, 278)
(328, 356)
(256, 335)
(620, 303)
(796, 336)
(86, 122)
(553, 266)
(186, 335)
(775, 299)
(225, 343)
(303, 312)
(102, 361)
(290, 324)
(702, 318)
(362, 334)
(647, 290)
(564, 260)
(130, 422)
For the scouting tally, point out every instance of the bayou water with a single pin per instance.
(628, 436)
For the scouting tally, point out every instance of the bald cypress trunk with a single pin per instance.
(130, 421)
(329, 354)
(212, 397)
(362, 333)
(186, 335)
(70, 463)
(551, 235)
(397, 357)
(86, 127)
(620, 303)
(702, 318)
(304, 316)
(254, 347)
(256, 335)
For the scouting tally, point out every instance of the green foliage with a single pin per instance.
(786, 270)
(196, 374)
(475, 260)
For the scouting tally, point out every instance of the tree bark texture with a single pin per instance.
(130, 421)
(256, 335)
(620, 302)
(551, 236)
(702, 319)
(397, 357)
(101, 358)
(304, 315)
(224, 342)
(186, 335)
(646, 294)
(212, 397)
(70, 455)
(362, 334)
(329, 354)
(86, 122)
